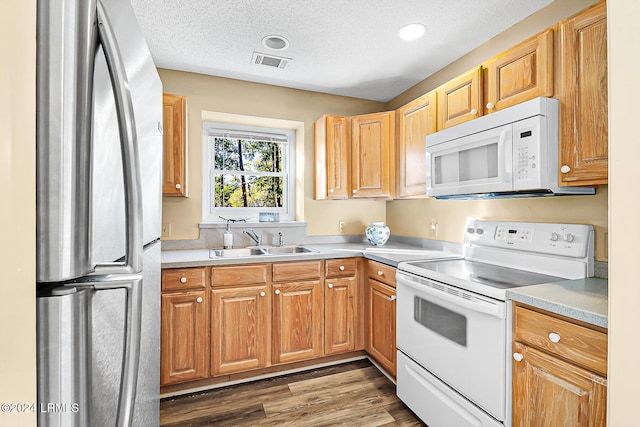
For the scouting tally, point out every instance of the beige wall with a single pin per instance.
(214, 94)
(413, 218)
(17, 216)
(624, 205)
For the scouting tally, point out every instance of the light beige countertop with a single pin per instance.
(581, 299)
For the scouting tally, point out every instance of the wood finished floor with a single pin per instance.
(350, 394)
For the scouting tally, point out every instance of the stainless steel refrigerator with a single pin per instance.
(99, 160)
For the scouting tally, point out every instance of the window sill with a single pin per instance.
(253, 224)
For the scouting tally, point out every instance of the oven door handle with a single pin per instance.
(496, 309)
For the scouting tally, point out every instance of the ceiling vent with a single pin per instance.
(269, 60)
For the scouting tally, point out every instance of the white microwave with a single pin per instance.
(509, 153)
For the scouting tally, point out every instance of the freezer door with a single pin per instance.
(80, 186)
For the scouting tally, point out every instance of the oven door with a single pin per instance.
(478, 163)
(456, 335)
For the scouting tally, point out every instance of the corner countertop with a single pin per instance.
(390, 254)
(581, 299)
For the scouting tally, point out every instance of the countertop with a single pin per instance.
(581, 299)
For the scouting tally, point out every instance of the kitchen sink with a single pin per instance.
(259, 251)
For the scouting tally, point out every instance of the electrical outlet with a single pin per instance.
(434, 227)
(341, 226)
(166, 229)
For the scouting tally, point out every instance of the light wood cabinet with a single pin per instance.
(584, 98)
(373, 155)
(297, 310)
(239, 329)
(521, 73)
(416, 120)
(460, 99)
(332, 148)
(380, 312)
(184, 352)
(174, 168)
(559, 371)
(341, 306)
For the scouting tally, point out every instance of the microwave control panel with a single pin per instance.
(527, 171)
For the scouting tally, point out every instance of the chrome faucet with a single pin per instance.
(254, 236)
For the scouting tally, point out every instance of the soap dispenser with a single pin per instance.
(227, 238)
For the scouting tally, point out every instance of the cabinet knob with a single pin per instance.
(354, 191)
(490, 105)
(518, 357)
(554, 338)
(183, 280)
(331, 191)
(473, 111)
(380, 273)
(330, 285)
(178, 186)
(199, 299)
(341, 268)
(565, 169)
(277, 291)
(262, 294)
(393, 297)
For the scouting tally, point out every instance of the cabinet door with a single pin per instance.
(584, 100)
(521, 73)
(381, 325)
(372, 155)
(174, 110)
(239, 329)
(184, 337)
(549, 391)
(416, 120)
(332, 155)
(460, 99)
(339, 316)
(297, 321)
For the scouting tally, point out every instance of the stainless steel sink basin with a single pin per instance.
(259, 251)
(235, 253)
(284, 250)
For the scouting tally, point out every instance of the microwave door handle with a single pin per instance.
(129, 150)
(508, 152)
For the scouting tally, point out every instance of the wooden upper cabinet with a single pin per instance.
(521, 73)
(332, 154)
(373, 155)
(460, 99)
(416, 120)
(174, 168)
(584, 100)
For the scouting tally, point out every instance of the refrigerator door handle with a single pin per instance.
(129, 149)
(132, 284)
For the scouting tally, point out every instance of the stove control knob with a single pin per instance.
(569, 237)
(471, 230)
(554, 237)
(479, 231)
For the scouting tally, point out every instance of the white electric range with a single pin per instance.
(453, 336)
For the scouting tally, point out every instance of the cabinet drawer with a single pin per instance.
(382, 273)
(247, 274)
(579, 344)
(287, 271)
(184, 278)
(344, 267)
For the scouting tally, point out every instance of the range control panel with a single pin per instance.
(574, 240)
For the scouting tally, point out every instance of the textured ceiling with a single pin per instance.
(348, 47)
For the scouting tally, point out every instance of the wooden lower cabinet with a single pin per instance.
(340, 315)
(550, 391)
(297, 319)
(184, 350)
(380, 310)
(239, 329)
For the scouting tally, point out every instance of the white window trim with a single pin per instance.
(212, 215)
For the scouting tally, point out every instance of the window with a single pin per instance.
(247, 170)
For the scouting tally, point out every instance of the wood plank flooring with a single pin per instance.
(350, 394)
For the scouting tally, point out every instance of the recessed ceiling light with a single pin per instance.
(412, 31)
(275, 42)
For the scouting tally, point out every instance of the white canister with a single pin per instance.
(377, 233)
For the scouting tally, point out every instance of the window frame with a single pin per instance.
(211, 214)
